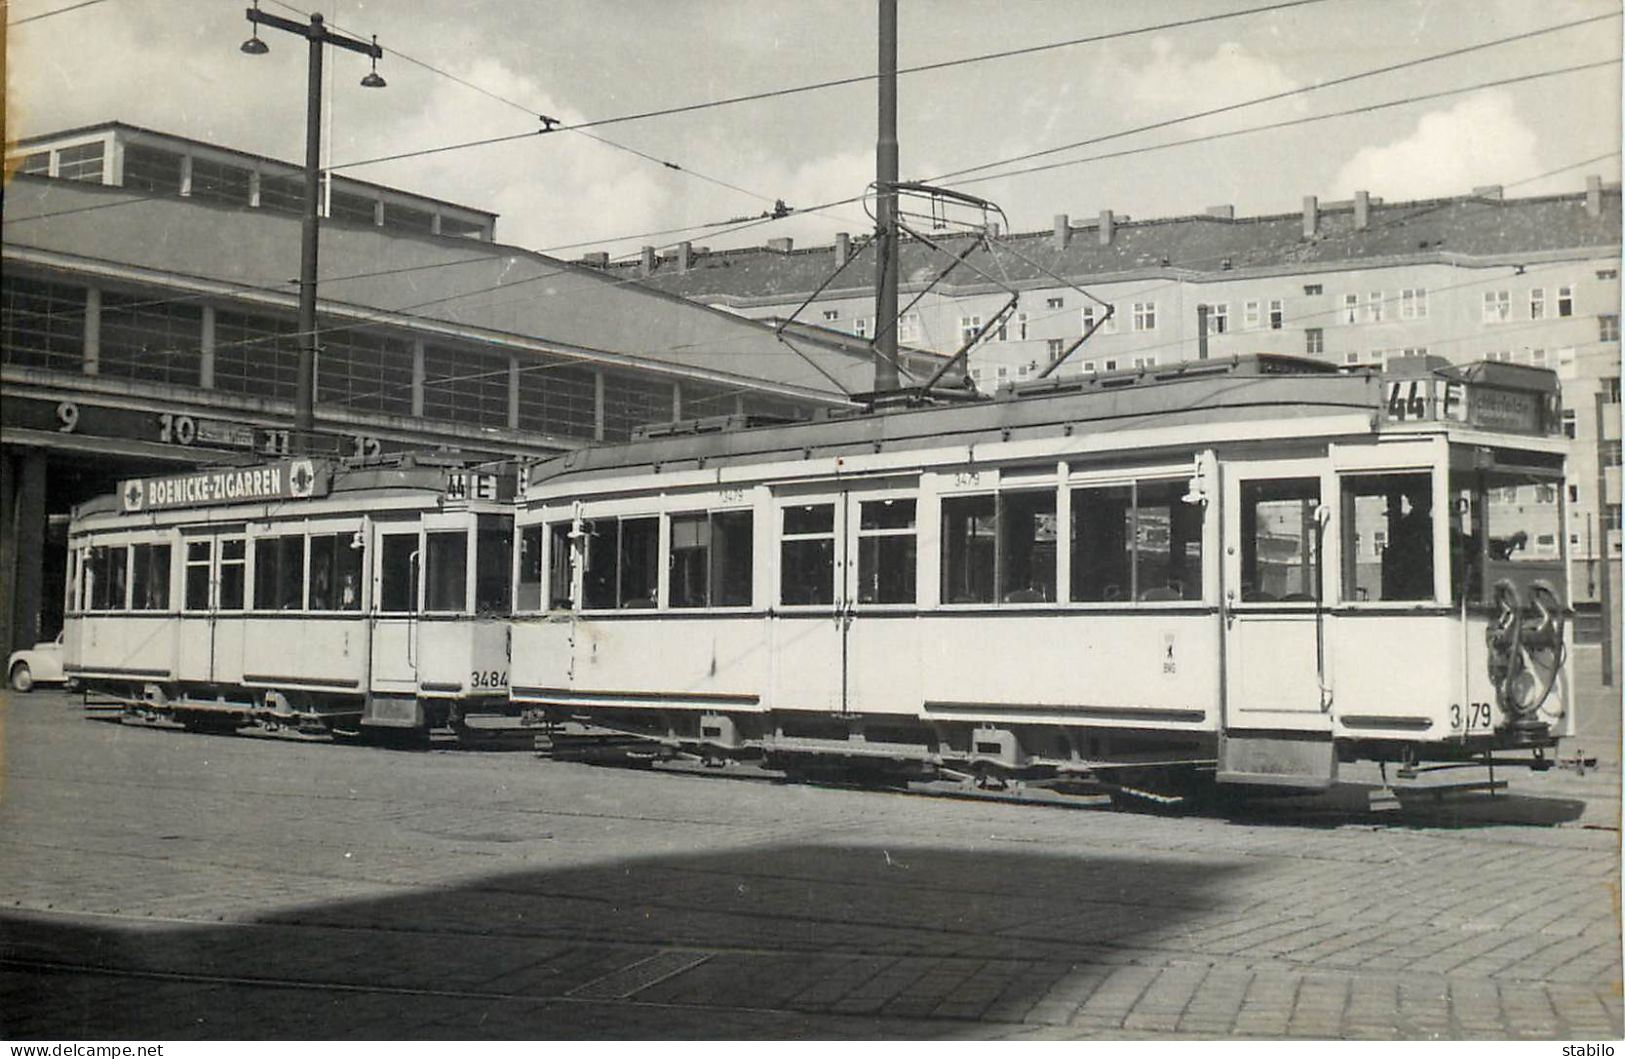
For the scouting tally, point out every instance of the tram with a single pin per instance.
(303, 594)
(1263, 567)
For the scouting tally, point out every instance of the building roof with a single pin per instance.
(468, 288)
(1198, 248)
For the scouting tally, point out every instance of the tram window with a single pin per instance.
(1279, 540)
(104, 577)
(445, 571)
(1167, 543)
(198, 557)
(335, 572)
(398, 573)
(528, 592)
(493, 563)
(279, 573)
(598, 581)
(1398, 508)
(1499, 530)
(639, 562)
(969, 549)
(1103, 544)
(711, 559)
(690, 560)
(807, 555)
(233, 561)
(558, 566)
(887, 553)
(1026, 550)
(150, 577)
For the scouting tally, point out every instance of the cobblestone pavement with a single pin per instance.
(157, 884)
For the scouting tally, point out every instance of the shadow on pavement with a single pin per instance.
(822, 932)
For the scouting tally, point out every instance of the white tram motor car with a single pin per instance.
(301, 593)
(1262, 565)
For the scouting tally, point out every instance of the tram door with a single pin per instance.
(212, 599)
(396, 602)
(813, 613)
(1274, 664)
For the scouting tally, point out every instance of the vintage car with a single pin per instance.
(40, 664)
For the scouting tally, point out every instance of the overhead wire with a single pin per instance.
(47, 14)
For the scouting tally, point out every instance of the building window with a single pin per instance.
(1608, 273)
(282, 194)
(1110, 364)
(1608, 327)
(152, 341)
(632, 401)
(468, 386)
(1145, 362)
(1013, 327)
(407, 219)
(860, 327)
(348, 206)
(1413, 303)
(1373, 307)
(1003, 372)
(151, 169)
(968, 326)
(37, 164)
(1145, 316)
(366, 372)
(1351, 308)
(908, 327)
(44, 324)
(217, 182)
(1312, 288)
(887, 556)
(1218, 318)
(1054, 303)
(256, 356)
(1497, 306)
(1610, 395)
(1570, 423)
(1351, 358)
(1314, 340)
(832, 314)
(1537, 303)
(1574, 494)
(1565, 301)
(1277, 314)
(83, 162)
(1249, 317)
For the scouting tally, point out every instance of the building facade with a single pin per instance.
(1482, 276)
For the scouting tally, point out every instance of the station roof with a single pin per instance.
(469, 289)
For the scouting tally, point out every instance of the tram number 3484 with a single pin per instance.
(488, 678)
(1479, 715)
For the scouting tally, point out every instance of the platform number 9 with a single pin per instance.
(67, 413)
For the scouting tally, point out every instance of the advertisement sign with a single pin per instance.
(283, 480)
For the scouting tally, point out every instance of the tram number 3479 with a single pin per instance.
(488, 678)
(1479, 715)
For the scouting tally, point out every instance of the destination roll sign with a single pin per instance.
(283, 480)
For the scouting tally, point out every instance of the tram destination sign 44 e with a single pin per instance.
(1456, 401)
(283, 480)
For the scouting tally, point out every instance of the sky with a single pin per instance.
(477, 69)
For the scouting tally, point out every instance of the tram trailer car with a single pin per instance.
(1260, 566)
(305, 594)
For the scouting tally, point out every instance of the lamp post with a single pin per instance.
(317, 33)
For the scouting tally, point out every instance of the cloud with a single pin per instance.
(1171, 83)
(1479, 140)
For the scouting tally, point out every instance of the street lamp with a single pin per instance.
(317, 33)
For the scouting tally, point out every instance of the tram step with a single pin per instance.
(1276, 760)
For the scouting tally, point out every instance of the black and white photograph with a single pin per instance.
(909, 521)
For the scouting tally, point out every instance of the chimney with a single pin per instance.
(1362, 210)
(1223, 213)
(1594, 197)
(597, 259)
(1201, 332)
(1488, 191)
(1105, 229)
(685, 256)
(783, 246)
(1311, 216)
(1063, 231)
(648, 260)
(843, 248)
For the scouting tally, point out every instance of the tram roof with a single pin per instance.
(1197, 392)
